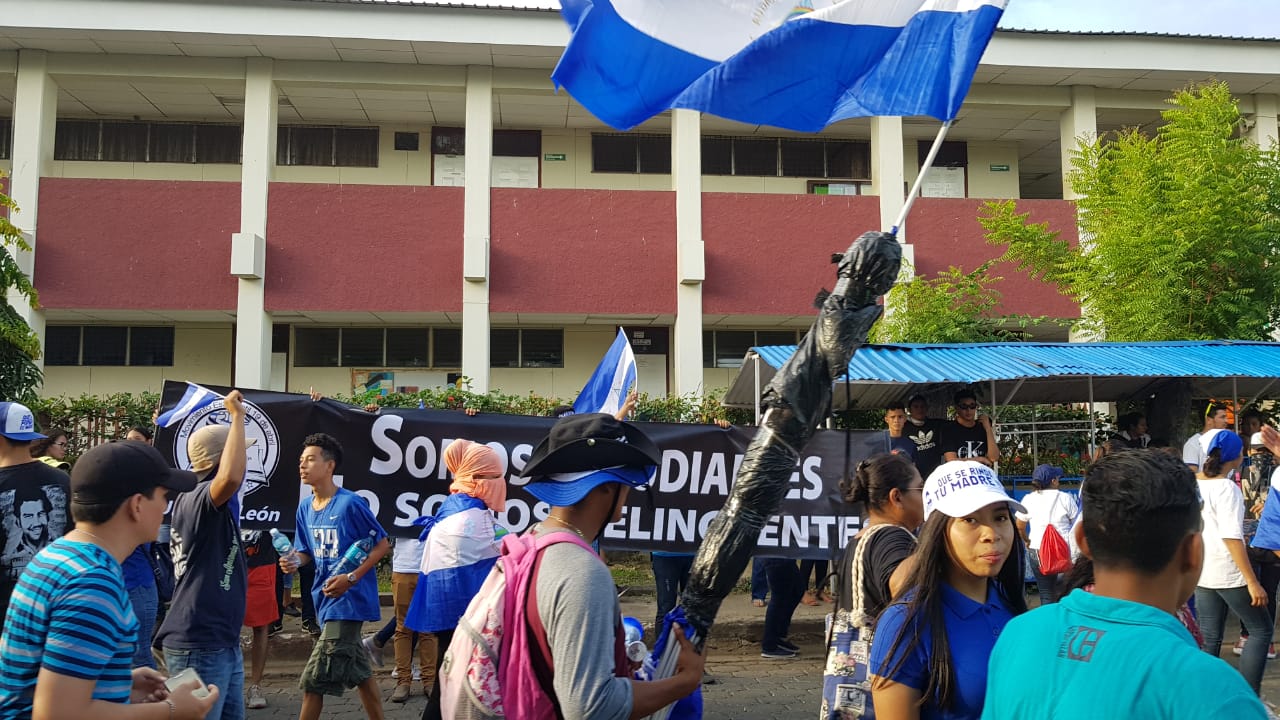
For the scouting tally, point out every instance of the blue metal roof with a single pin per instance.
(975, 363)
(1040, 372)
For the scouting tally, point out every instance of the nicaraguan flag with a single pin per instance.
(1268, 535)
(800, 65)
(607, 387)
(461, 544)
(192, 400)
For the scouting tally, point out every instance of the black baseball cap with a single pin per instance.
(118, 470)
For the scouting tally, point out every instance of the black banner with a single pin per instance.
(394, 460)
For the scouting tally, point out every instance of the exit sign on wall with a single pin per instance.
(553, 157)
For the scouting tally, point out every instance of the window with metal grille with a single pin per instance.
(727, 348)
(326, 146)
(102, 345)
(6, 138)
(141, 141)
(632, 153)
(526, 348)
(376, 347)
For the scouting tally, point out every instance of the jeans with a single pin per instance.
(223, 667)
(1046, 585)
(787, 587)
(145, 605)
(383, 636)
(759, 582)
(1212, 604)
(671, 573)
(817, 568)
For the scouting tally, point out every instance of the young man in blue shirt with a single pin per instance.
(328, 523)
(1120, 651)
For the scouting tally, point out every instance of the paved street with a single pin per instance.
(746, 687)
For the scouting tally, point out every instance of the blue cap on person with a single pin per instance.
(1045, 474)
(962, 487)
(17, 422)
(1229, 444)
(585, 451)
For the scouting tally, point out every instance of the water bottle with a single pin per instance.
(283, 547)
(355, 555)
(636, 650)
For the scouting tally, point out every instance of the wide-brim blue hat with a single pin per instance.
(585, 451)
(565, 489)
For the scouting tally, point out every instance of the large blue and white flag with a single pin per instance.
(607, 387)
(192, 400)
(794, 64)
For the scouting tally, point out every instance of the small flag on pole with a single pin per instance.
(794, 65)
(192, 400)
(607, 387)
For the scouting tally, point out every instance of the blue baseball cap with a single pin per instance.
(1045, 474)
(17, 422)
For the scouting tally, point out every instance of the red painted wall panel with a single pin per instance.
(770, 254)
(583, 251)
(946, 232)
(350, 248)
(136, 244)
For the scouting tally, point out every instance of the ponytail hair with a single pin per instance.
(875, 477)
(1212, 466)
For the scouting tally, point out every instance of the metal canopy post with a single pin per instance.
(756, 365)
(1093, 422)
(995, 413)
(1235, 402)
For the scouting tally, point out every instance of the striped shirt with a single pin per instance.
(70, 614)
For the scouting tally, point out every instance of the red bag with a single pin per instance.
(1055, 556)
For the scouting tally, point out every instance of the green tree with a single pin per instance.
(1178, 230)
(951, 307)
(19, 345)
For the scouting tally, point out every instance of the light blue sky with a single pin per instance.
(1243, 18)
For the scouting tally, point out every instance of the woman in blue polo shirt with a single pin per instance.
(931, 646)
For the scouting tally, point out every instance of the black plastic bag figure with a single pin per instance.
(796, 400)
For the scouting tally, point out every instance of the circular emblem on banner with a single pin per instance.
(263, 455)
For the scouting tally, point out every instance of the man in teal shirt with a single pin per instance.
(1120, 651)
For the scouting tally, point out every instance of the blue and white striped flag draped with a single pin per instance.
(607, 387)
(800, 65)
(1268, 535)
(192, 400)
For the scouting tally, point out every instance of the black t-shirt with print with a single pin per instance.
(926, 438)
(35, 510)
(966, 442)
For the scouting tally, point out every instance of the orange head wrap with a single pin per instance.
(477, 471)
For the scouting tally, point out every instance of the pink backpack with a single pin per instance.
(489, 668)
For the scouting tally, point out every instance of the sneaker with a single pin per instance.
(789, 647)
(255, 701)
(777, 654)
(311, 627)
(1238, 648)
(395, 674)
(292, 611)
(275, 628)
(401, 693)
(375, 652)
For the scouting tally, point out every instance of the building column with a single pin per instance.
(1078, 122)
(35, 111)
(686, 180)
(248, 247)
(887, 171)
(1265, 130)
(475, 227)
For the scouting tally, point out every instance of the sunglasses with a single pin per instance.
(967, 406)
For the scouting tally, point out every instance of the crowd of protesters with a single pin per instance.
(930, 615)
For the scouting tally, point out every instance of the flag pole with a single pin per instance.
(924, 170)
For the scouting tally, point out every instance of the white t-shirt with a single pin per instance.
(1045, 507)
(1192, 453)
(406, 556)
(1223, 514)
